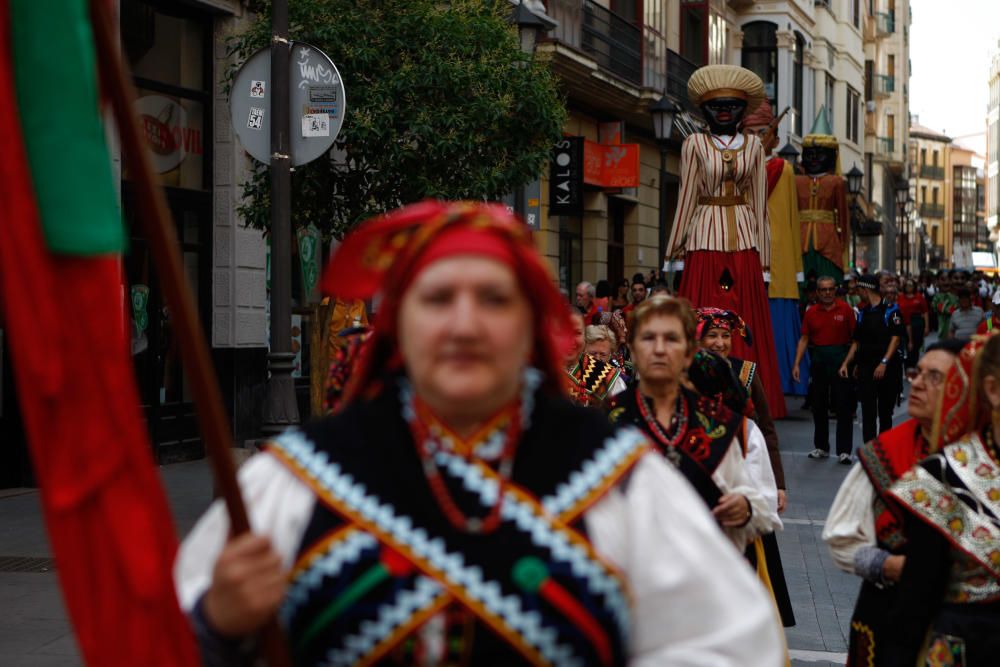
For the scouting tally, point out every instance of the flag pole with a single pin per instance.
(158, 228)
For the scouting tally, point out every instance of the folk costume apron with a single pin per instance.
(383, 577)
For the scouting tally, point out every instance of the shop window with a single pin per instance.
(167, 49)
(570, 253)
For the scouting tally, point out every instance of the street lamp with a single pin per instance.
(854, 178)
(530, 26)
(902, 195)
(789, 154)
(664, 112)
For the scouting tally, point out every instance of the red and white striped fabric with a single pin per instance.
(707, 226)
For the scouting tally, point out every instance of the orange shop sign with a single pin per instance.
(614, 166)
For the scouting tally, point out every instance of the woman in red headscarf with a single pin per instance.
(458, 509)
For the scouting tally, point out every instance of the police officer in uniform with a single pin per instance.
(878, 367)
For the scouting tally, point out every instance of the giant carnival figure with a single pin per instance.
(823, 210)
(720, 230)
(786, 256)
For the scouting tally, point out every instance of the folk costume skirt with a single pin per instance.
(734, 280)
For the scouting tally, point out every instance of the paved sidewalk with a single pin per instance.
(822, 595)
(34, 631)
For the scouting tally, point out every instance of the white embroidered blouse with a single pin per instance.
(696, 603)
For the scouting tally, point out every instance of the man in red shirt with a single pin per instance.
(638, 292)
(827, 330)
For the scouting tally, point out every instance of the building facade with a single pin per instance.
(887, 155)
(616, 57)
(932, 188)
(993, 148)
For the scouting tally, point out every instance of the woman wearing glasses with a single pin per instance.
(863, 530)
(947, 605)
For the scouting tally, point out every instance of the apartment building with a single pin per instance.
(617, 57)
(931, 183)
(887, 125)
(993, 147)
(968, 189)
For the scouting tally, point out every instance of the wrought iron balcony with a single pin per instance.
(885, 23)
(613, 42)
(884, 146)
(932, 210)
(679, 70)
(928, 171)
(883, 85)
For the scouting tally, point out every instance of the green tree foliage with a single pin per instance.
(441, 102)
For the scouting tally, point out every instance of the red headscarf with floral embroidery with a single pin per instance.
(718, 318)
(383, 256)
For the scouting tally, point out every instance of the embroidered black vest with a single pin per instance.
(379, 559)
(710, 431)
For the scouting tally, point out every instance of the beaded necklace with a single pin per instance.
(668, 439)
(429, 440)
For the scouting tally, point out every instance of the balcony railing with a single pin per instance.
(679, 70)
(884, 85)
(885, 23)
(612, 41)
(884, 146)
(928, 171)
(932, 210)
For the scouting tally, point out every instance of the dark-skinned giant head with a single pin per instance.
(725, 94)
(820, 149)
(818, 160)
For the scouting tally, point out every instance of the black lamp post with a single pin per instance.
(902, 195)
(664, 112)
(854, 178)
(530, 26)
(789, 155)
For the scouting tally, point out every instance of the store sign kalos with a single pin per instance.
(168, 135)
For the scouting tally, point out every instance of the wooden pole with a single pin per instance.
(160, 232)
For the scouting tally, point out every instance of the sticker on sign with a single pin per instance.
(257, 88)
(256, 119)
(316, 125)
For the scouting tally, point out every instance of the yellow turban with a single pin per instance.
(714, 81)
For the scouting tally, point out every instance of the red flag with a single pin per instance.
(104, 506)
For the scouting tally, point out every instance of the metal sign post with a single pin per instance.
(285, 115)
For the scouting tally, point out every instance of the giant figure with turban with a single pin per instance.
(823, 212)
(721, 229)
